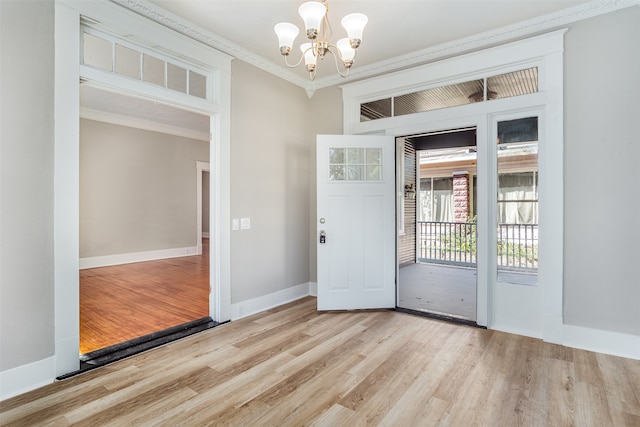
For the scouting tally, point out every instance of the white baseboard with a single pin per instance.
(607, 342)
(27, 377)
(117, 259)
(313, 289)
(265, 302)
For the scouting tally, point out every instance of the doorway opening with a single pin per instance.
(144, 264)
(437, 250)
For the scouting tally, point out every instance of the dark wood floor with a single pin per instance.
(127, 301)
(294, 366)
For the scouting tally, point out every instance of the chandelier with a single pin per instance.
(314, 14)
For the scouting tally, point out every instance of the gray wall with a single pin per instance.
(26, 182)
(137, 189)
(326, 108)
(602, 173)
(270, 150)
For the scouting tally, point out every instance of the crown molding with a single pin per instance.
(464, 45)
(483, 40)
(193, 31)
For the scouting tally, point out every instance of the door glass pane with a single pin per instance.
(355, 164)
(336, 156)
(517, 201)
(374, 156)
(374, 173)
(336, 173)
(355, 156)
(356, 172)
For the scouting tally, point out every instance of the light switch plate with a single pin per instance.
(245, 223)
(235, 224)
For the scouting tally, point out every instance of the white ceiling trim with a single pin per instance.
(138, 123)
(475, 42)
(189, 29)
(484, 40)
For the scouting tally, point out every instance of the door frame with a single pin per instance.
(544, 52)
(201, 167)
(399, 173)
(67, 31)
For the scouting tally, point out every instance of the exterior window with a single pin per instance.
(436, 199)
(517, 201)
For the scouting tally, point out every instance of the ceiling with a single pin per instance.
(399, 34)
(396, 28)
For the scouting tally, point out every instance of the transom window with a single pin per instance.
(516, 83)
(100, 51)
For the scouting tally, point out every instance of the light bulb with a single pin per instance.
(312, 13)
(354, 23)
(287, 33)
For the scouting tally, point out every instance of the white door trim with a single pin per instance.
(66, 178)
(200, 168)
(544, 52)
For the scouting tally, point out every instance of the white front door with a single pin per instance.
(356, 222)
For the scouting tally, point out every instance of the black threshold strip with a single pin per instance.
(440, 317)
(104, 356)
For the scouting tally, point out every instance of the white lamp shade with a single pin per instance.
(312, 13)
(309, 57)
(287, 33)
(346, 51)
(354, 23)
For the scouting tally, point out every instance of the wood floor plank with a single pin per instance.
(293, 366)
(123, 302)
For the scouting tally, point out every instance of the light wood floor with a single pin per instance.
(293, 366)
(127, 301)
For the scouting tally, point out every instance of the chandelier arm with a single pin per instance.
(327, 31)
(296, 64)
(335, 60)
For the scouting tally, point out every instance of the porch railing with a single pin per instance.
(455, 243)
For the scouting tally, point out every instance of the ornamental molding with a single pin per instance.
(421, 57)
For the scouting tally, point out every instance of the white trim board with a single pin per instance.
(27, 377)
(137, 123)
(265, 302)
(128, 258)
(600, 341)
(313, 289)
